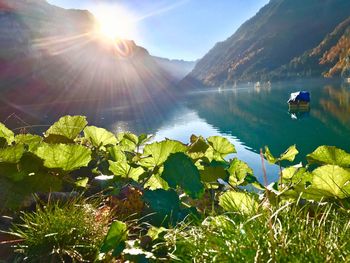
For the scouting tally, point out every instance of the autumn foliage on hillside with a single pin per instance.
(339, 55)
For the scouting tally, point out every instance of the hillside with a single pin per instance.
(330, 58)
(178, 69)
(279, 32)
(51, 54)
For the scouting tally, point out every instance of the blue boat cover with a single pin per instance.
(299, 96)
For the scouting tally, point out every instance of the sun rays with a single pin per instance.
(115, 22)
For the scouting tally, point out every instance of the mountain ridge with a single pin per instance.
(279, 32)
(329, 58)
(52, 53)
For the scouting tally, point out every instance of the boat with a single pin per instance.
(299, 101)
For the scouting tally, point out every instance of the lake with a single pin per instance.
(248, 116)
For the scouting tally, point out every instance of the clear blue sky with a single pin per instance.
(182, 29)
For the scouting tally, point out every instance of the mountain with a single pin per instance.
(280, 31)
(178, 69)
(50, 54)
(330, 58)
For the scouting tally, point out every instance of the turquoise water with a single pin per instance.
(250, 117)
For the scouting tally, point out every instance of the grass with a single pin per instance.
(72, 231)
(296, 234)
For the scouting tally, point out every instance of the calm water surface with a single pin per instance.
(250, 117)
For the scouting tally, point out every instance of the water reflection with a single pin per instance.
(251, 118)
(260, 117)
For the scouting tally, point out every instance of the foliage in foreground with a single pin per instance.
(295, 235)
(61, 232)
(161, 184)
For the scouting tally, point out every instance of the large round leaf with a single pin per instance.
(12, 154)
(210, 174)
(179, 170)
(221, 147)
(244, 203)
(33, 141)
(116, 153)
(156, 182)
(123, 169)
(156, 153)
(198, 147)
(67, 127)
(64, 156)
(329, 155)
(238, 171)
(99, 136)
(331, 181)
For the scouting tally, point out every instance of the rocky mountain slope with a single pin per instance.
(281, 31)
(50, 54)
(330, 58)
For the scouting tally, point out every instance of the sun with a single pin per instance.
(114, 22)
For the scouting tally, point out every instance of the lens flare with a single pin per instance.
(114, 22)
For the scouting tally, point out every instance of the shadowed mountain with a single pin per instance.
(279, 32)
(330, 58)
(177, 69)
(49, 55)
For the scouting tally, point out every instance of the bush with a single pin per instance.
(289, 234)
(73, 231)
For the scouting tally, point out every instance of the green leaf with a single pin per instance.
(289, 154)
(82, 182)
(156, 153)
(131, 137)
(221, 146)
(144, 138)
(244, 203)
(116, 153)
(164, 205)
(29, 164)
(179, 170)
(64, 156)
(331, 181)
(12, 154)
(99, 136)
(156, 182)
(238, 171)
(14, 193)
(269, 157)
(210, 174)
(117, 234)
(289, 172)
(127, 145)
(67, 127)
(198, 147)
(156, 232)
(123, 169)
(329, 155)
(293, 174)
(33, 141)
(6, 133)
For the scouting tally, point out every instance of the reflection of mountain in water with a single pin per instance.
(338, 104)
(138, 117)
(262, 118)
